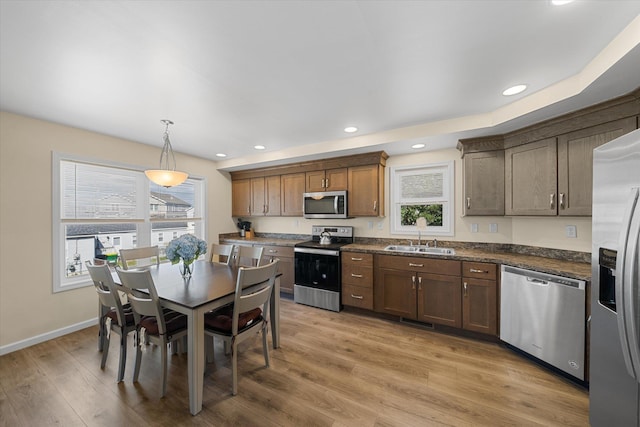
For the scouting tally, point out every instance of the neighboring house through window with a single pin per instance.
(102, 207)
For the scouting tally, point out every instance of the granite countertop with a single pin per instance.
(549, 261)
(572, 269)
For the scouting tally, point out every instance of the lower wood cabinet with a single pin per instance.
(443, 292)
(286, 265)
(480, 297)
(357, 280)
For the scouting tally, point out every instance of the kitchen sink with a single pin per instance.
(420, 249)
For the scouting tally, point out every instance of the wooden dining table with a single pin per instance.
(211, 285)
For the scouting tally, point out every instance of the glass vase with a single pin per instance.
(186, 270)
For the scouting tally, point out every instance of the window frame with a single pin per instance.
(447, 200)
(143, 224)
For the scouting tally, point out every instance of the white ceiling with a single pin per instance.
(291, 75)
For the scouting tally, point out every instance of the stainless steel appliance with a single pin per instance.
(318, 280)
(326, 204)
(614, 383)
(544, 316)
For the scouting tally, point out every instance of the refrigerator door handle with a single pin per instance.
(626, 268)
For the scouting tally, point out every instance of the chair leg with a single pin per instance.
(209, 348)
(136, 370)
(265, 345)
(105, 348)
(164, 369)
(234, 367)
(123, 355)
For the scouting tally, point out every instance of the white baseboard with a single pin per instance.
(9, 348)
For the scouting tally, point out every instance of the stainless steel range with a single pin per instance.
(318, 269)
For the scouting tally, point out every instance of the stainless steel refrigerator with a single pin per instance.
(614, 383)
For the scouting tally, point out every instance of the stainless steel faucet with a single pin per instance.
(435, 243)
(419, 239)
(410, 242)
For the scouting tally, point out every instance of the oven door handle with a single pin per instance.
(316, 251)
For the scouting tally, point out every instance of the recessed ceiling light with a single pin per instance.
(560, 2)
(514, 90)
(259, 147)
(416, 146)
(351, 129)
(221, 155)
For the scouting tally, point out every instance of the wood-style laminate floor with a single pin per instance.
(333, 369)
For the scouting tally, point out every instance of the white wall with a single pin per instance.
(28, 307)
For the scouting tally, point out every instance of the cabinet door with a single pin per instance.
(314, 181)
(241, 197)
(366, 190)
(484, 183)
(291, 194)
(258, 205)
(285, 266)
(272, 195)
(395, 292)
(336, 179)
(575, 164)
(479, 306)
(439, 299)
(530, 179)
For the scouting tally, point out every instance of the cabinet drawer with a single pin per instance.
(479, 270)
(357, 258)
(426, 265)
(357, 296)
(277, 251)
(358, 275)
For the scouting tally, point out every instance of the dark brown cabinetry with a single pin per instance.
(366, 190)
(357, 280)
(480, 297)
(484, 183)
(285, 266)
(256, 196)
(291, 191)
(415, 288)
(326, 180)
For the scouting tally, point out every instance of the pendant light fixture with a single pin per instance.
(166, 176)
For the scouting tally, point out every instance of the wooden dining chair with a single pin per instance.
(248, 314)
(221, 253)
(249, 256)
(160, 326)
(115, 317)
(140, 257)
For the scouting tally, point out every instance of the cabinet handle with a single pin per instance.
(375, 205)
(561, 200)
(273, 251)
(357, 296)
(326, 183)
(468, 202)
(465, 288)
(419, 283)
(356, 259)
(413, 282)
(415, 265)
(551, 200)
(265, 209)
(249, 209)
(357, 276)
(474, 270)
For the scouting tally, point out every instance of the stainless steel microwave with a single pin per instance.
(325, 204)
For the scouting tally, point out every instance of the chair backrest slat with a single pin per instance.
(106, 289)
(253, 290)
(249, 256)
(141, 280)
(221, 253)
(140, 257)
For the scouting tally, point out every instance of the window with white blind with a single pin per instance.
(425, 191)
(100, 208)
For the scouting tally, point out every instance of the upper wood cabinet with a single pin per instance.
(257, 192)
(291, 191)
(575, 164)
(484, 183)
(241, 197)
(326, 180)
(530, 178)
(366, 190)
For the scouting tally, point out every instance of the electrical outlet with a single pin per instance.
(474, 228)
(381, 225)
(571, 231)
(493, 228)
(370, 225)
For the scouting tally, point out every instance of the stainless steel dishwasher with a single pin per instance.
(544, 316)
